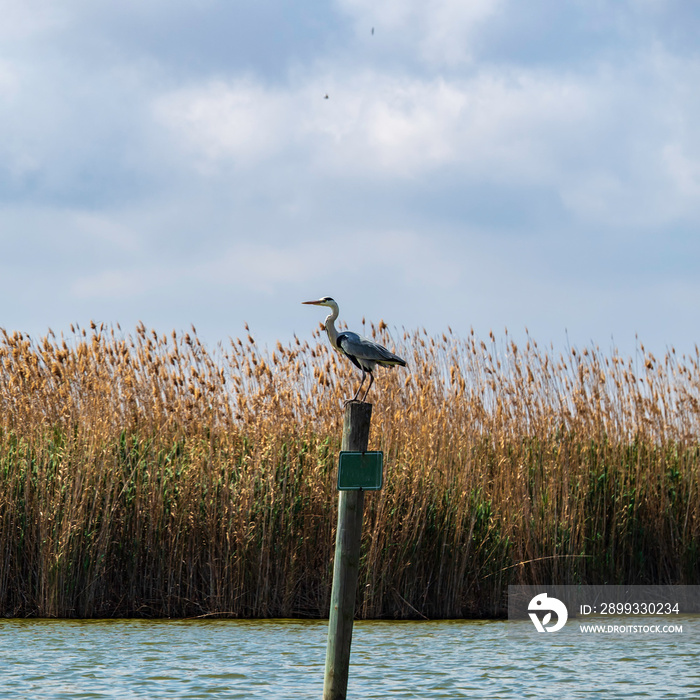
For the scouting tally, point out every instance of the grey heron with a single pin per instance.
(364, 353)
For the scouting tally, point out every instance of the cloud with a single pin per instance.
(380, 124)
(613, 142)
(593, 139)
(241, 121)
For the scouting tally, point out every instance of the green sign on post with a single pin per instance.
(360, 471)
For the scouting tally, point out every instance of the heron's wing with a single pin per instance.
(355, 345)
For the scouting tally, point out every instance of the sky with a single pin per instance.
(480, 165)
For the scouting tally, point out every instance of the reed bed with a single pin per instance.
(147, 475)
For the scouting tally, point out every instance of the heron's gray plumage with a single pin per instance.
(364, 353)
(367, 353)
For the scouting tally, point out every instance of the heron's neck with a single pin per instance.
(330, 327)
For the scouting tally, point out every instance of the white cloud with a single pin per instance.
(592, 140)
(240, 120)
(500, 124)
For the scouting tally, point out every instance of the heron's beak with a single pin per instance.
(315, 303)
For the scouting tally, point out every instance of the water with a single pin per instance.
(285, 659)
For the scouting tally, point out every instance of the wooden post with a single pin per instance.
(347, 560)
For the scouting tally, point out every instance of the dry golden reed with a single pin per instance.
(144, 474)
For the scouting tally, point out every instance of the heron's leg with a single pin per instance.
(371, 381)
(357, 393)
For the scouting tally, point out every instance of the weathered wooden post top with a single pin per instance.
(358, 471)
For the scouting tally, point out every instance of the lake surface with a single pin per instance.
(285, 659)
